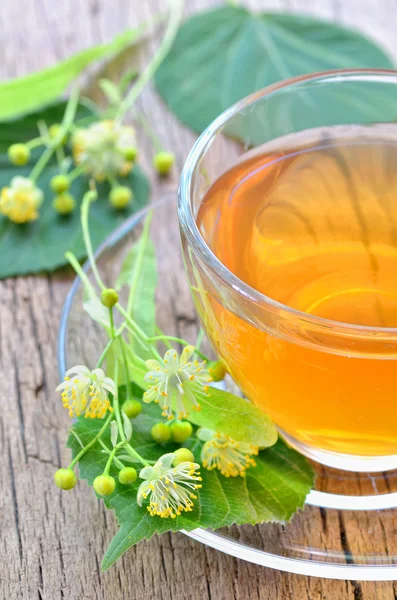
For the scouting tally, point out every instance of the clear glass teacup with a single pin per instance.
(289, 238)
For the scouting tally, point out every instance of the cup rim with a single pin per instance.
(189, 226)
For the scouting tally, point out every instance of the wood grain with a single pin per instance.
(51, 543)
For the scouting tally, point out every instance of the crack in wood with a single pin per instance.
(20, 409)
(15, 504)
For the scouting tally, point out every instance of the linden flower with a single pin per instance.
(101, 147)
(21, 200)
(230, 457)
(85, 391)
(168, 382)
(170, 489)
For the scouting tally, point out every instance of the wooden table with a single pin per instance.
(51, 543)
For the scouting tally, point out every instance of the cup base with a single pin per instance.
(343, 462)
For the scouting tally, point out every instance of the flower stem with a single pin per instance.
(127, 374)
(116, 461)
(39, 141)
(132, 452)
(148, 129)
(85, 208)
(70, 257)
(67, 121)
(111, 321)
(41, 163)
(137, 330)
(76, 172)
(92, 442)
(116, 406)
(113, 181)
(110, 460)
(171, 338)
(105, 351)
(176, 11)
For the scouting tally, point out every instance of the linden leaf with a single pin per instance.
(234, 416)
(271, 492)
(222, 55)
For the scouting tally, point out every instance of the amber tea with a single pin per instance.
(311, 222)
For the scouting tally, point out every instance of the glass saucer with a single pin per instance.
(348, 529)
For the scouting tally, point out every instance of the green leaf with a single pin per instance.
(271, 492)
(111, 91)
(40, 245)
(127, 427)
(139, 272)
(114, 432)
(32, 91)
(234, 416)
(225, 54)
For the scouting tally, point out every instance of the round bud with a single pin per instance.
(64, 204)
(182, 455)
(104, 485)
(132, 408)
(217, 370)
(19, 154)
(109, 298)
(161, 433)
(181, 431)
(65, 479)
(130, 154)
(54, 131)
(120, 196)
(127, 475)
(163, 162)
(59, 183)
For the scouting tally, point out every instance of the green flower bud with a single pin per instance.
(182, 455)
(104, 485)
(217, 370)
(109, 298)
(65, 479)
(132, 408)
(163, 162)
(127, 475)
(64, 204)
(59, 183)
(19, 154)
(161, 433)
(120, 196)
(54, 131)
(130, 154)
(181, 431)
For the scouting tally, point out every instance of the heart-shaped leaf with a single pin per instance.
(223, 55)
(271, 492)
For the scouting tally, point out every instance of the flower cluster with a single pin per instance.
(21, 200)
(170, 489)
(86, 392)
(229, 456)
(167, 382)
(102, 149)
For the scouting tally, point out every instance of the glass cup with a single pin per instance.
(329, 386)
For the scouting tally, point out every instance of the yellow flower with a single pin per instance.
(170, 489)
(85, 391)
(101, 148)
(167, 380)
(21, 200)
(221, 452)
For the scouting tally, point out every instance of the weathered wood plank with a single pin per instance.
(52, 543)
